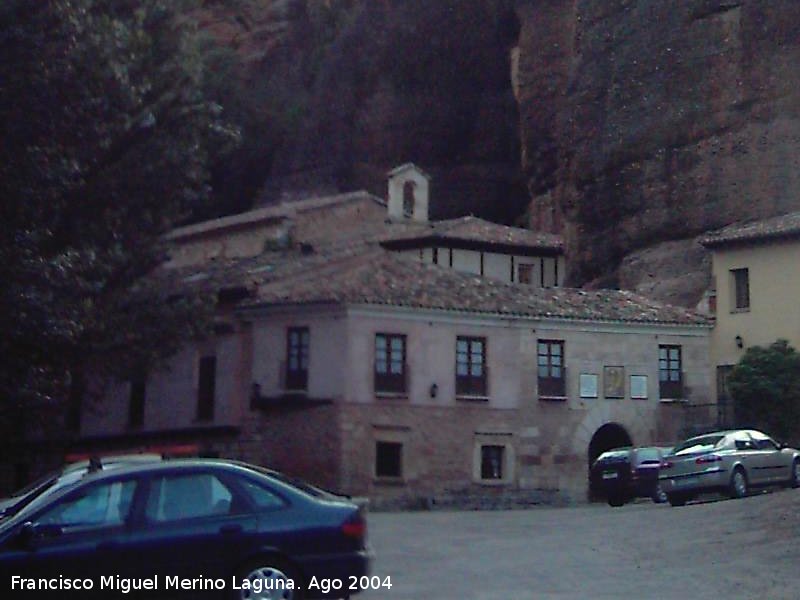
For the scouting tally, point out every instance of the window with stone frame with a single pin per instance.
(670, 372)
(390, 363)
(388, 459)
(492, 462)
(525, 273)
(206, 387)
(741, 289)
(471, 368)
(297, 352)
(136, 401)
(551, 370)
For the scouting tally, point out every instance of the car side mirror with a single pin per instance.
(32, 533)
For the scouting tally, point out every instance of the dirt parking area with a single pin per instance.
(747, 548)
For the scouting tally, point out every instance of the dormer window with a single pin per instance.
(409, 188)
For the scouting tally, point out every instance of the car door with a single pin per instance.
(193, 524)
(747, 454)
(773, 464)
(79, 535)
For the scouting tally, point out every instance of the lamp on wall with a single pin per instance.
(434, 390)
(739, 342)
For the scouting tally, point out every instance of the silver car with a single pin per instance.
(727, 461)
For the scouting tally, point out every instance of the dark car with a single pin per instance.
(186, 528)
(65, 476)
(623, 474)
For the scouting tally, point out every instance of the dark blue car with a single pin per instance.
(185, 528)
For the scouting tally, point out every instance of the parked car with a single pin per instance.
(728, 461)
(64, 476)
(189, 520)
(623, 474)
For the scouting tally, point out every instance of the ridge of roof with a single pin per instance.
(275, 212)
(780, 226)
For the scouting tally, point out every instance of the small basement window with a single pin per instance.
(389, 459)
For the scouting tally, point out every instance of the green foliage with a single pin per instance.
(765, 386)
(107, 138)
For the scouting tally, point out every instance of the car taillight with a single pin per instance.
(355, 528)
(711, 458)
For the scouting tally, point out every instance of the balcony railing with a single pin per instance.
(392, 383)
(293, 380)
(553, 387)
(473, 385)
(671, 390)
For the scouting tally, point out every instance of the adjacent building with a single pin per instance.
(755, 270)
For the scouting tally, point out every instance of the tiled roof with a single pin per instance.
(471, 229)
(379, 277)
(783, 226)
(284, 210)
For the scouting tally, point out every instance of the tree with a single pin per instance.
(107, 137)
(765, 386)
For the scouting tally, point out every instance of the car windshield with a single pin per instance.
(620, 453)
(648, 455)
(698, 444)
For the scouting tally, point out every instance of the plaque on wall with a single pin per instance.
(639, 387)
(614, 382)
(588, 382)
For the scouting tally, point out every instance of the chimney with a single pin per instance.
(409, 192)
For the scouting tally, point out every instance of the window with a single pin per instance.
(741, 288)
(388, 459)
(297, 358)
(77, 392)
(525, 273)
(471, 369)
(492, 462)
(390, 363)
(263, 498)
(206, 387)
(103, 505)
(179, 497)
(409, 188)
(551, 370)
(670, 376)
(136, 402)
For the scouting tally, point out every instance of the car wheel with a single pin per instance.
(268, 578)
(676, 499)
(616, 501)
(659, 496)
(738, 484)
(795, 481)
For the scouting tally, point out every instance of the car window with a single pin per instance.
(766, 444)
(261, 497)
(648, 455)
(743, 441)
(105, 504)
(178, 497)
(698, 444)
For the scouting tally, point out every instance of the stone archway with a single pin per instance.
(607, 437)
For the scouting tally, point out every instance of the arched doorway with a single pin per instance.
(608, 437)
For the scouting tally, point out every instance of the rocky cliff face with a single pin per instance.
(647, 122)
(337, 93)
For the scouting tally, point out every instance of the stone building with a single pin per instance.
(369, 350)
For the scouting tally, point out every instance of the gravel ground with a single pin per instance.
(747, 548)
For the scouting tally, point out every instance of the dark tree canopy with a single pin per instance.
(107, 138)
(765, 386)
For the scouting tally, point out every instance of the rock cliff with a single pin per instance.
(647, 122)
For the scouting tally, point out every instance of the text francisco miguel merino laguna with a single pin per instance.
(156, 582)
